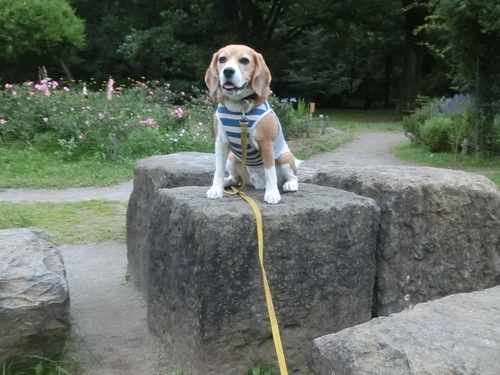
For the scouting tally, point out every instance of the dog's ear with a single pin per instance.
(261, 78)
(212, 76)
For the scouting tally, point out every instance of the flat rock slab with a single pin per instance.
(205, 293)
(34, 295)
(439, 230)
(455, 335)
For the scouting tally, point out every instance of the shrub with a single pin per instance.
(292, 114)
(443, 124)
(435, 133)
(70, 121)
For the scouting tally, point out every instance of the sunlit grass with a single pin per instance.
(487, 165)
(30, 168)
(69, 223)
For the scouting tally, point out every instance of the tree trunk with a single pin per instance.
(413, 55)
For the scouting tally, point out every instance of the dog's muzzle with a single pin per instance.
(228, 84)
(231, 87)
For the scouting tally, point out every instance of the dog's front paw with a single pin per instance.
(272, 197)
(291, 186)
(215, 192)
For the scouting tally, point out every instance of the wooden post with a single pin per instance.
(113, 149)
(312, 109)
(465, 145)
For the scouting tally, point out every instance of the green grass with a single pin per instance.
(416, 153)
(489, 166)
(69, 223)
(63, 364)
(30, 168)
(361, 116)
(495, 177)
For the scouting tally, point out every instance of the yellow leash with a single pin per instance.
(260, 243)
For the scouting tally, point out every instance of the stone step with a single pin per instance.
(454, 335)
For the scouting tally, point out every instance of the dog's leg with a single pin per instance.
(235, 170)
(289, 172)
(272, 194)
(221, 153)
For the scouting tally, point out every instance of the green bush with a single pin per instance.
(443, 124)
(435, 133)
(292, 114)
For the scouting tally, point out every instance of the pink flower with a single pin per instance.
(8, 85)
(65, 88)
(81, 136)
(14, 93)
(149, 122)
(3, 121)
(179, 112)
(42, 86)
(109, 92)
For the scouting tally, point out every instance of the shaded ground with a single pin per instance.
(109, 314)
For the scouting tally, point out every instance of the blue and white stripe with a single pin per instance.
(231, 125)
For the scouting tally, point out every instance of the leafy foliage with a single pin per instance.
(36, 33)
(466, 33)
(442, 124)
(145, 118)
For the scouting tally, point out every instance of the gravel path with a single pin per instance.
(109, 314)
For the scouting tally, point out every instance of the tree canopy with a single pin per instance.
(35, 33)
(373, 53)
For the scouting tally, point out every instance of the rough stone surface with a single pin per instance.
(34, 296)
(455, 335)
(439, 230)
(151, 174)
(206, 298)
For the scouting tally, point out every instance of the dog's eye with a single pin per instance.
(244, 61)
(222, 60)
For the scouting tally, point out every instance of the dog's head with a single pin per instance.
(237, 72)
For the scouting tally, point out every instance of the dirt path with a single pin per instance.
(109, 314)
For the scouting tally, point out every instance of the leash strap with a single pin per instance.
(260, 243)
(269, 300)
(244, 141)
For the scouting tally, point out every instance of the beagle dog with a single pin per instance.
(239, 78)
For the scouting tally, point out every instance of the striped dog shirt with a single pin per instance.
(231, 125)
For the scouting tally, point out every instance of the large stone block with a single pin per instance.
(34, 296)
(455, 335)
(439, 230)
(151, 174)
(206, 298)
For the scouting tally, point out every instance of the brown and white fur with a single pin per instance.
(239, 76)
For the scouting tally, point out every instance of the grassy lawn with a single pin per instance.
(30, 168)
(69, 223)
(489, 166)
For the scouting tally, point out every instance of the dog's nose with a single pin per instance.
(228, 72)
